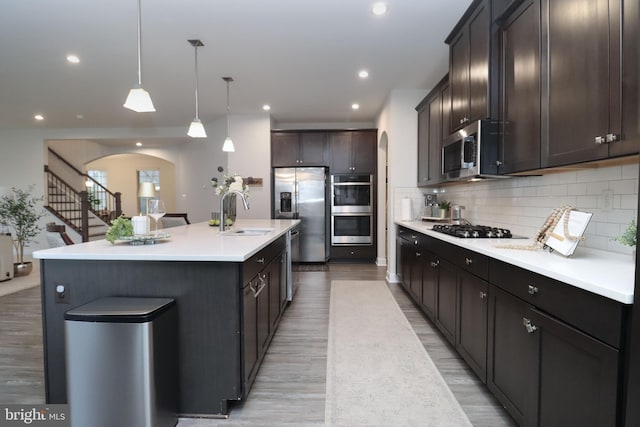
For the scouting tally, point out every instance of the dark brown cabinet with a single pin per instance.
(583, 80)
(553, 358)
(576, 376)
(549, 352)
(521, 89)
(353, 151)
(293, 149)
(469, 66)
(431, 129)
(511, 354)
(569, 87)
(471, 336)
(446, 300)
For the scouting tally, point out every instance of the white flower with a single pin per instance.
(237, 184)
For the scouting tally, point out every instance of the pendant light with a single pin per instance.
(196, 129)
(139, 99)
(228, 143)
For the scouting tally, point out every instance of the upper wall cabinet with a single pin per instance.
(583, 77)
(353, 151)
(469, 66)
(630, 80)
(431, 129)
(292, 149)
(521, 90)
(562, 87)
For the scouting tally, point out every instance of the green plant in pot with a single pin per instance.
(444, 207)
(20, 211)
(629, 236)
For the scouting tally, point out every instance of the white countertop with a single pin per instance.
(193, 242)
(604, 273)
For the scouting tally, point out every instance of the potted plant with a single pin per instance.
(629, 236)
(18, 210)
(444, 207)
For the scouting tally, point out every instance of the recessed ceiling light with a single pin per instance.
(355, 106)
(138, 144)
(79, 116)
(379, 8)
(266, 107)
(73, 59)
(39, 117)
(363, 74)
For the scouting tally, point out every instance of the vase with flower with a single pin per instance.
(234, 184)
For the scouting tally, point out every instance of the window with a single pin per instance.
(148, 176)
(97, 193)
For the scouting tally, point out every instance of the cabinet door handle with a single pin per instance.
(462, 121)
(483, 295)
(434, 264)
(418, 254)
(533, 290)
(531, 328)
(599, 140)
(611, 137)
(468, 261)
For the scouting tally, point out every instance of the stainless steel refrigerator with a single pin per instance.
(300, 193)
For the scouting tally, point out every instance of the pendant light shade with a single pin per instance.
(196, 129)
(228, 143)
(139, 99)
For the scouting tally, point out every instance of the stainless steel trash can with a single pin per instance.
(122, 369)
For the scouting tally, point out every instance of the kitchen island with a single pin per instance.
(230, 290)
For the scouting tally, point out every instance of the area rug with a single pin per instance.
(378, 372)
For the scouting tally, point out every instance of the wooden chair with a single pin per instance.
(57, 235)
(174, 219)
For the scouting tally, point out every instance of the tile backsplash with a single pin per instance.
(523, 203)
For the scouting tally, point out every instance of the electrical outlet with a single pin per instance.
(62, 294)
(607, 200)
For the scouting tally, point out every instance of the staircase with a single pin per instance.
(88, 212)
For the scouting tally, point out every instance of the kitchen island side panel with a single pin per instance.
(208, 302)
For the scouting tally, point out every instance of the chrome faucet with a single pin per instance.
(244, 202)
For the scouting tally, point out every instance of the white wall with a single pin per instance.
(252, 139)
(399, 120)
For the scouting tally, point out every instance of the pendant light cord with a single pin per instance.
(139, 43)
(228, 127)
(197, 117)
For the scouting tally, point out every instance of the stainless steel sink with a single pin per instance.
(247, 232)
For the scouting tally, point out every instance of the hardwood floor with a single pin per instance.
(290, 386)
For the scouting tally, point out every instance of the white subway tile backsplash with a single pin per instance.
(523, 203)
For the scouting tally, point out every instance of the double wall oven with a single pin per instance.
(351, 209)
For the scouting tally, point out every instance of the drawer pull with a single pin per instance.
(468, 261)
(531, 328)
(418, 254)
(260, 260)
(599, 140)
(483, 295)
(533, 290)
(434, 264)
(415, 242)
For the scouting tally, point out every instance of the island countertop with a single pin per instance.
(192, 242)
(604, 273)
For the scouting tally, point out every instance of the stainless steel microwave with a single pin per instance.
(472, 152)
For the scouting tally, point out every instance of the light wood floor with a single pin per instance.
(290, 386)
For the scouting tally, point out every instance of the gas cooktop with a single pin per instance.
(473, 231)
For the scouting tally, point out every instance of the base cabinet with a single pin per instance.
(471, 336)
(545, 372)
(550, 352)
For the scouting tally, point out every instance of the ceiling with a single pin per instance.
(300, 56)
